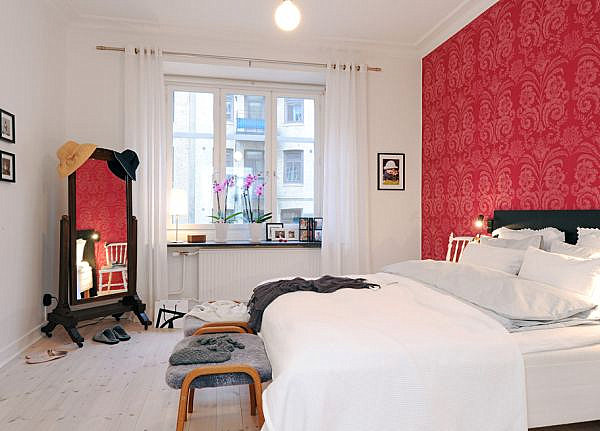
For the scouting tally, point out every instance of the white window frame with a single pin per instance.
(271, 90)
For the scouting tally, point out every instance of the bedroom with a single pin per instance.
(371, 132)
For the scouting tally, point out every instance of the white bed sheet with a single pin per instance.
(423, 361)
(562, 379)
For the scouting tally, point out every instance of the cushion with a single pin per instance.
(588, 237)
(517, 244)
(502, 259)
(575, 250)
(566, 272)
(549, 234)
(191, 324)
(253, 354)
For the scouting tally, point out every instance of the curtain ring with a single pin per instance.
(344, 67)
(358, 68)
(334, 66)
(136, 50)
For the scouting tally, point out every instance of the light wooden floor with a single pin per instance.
(119, 387)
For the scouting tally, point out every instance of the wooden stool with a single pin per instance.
(249, 366)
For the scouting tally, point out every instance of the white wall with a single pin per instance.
(32, 86)
(94, 114)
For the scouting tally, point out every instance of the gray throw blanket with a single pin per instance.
(266, 293)
(205, 349)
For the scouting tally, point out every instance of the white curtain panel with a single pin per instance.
(346, 248)
(145, 134)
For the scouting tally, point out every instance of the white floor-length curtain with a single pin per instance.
(345, 247)
(145, 133)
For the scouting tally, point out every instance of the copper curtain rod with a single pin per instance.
(225, 57)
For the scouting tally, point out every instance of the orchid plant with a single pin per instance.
(222, 189)
(259, 190)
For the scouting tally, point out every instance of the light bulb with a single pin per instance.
(287, 16)
(238, 156)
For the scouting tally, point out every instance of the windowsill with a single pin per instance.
(246, 244)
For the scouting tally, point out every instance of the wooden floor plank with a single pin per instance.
(121, 387)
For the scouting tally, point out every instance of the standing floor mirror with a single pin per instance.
(98, 242)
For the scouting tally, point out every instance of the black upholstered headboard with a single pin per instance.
(565, 220)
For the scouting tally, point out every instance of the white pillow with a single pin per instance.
(588, 237)
(549, 234)
(517, 244)
(565, 272)
(575, 250)
(502, 259)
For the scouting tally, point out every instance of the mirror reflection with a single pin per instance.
(101, 231)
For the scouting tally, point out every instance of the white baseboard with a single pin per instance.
(15, 348)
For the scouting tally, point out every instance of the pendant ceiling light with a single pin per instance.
(287, 16)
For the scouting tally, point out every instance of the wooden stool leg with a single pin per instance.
(258, 397)
(252, 399)
(191, 400)
(182, 411)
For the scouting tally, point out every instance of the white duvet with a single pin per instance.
(405, 357)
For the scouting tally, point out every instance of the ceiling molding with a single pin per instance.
(150, 29)
(466, 12)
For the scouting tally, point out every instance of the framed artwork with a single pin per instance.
(278, 234)
(269, 227)
(7, 126)
(291, 234)
(391, 171)
(7, 167)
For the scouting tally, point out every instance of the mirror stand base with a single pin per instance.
(63, 315)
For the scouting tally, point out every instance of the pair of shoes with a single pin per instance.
(112, 335)
(47, 356)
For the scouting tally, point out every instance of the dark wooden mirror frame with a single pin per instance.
(106, 155)
(129, 301)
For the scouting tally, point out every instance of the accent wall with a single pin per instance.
(511, 116)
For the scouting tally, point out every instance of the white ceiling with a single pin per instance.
(390, 22)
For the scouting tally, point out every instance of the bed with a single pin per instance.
(413, 357)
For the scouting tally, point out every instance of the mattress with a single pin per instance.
(562, 384)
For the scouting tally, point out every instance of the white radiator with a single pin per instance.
(234, 273)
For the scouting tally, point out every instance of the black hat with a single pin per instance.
(125, 164)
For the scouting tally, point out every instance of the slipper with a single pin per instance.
(47, 356)
(107, 337)
(120, 333)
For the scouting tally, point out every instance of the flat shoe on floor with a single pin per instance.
(47, 356)
(107, 337)
(120, 333)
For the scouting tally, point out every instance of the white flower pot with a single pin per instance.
(257, 232)
(221, 232)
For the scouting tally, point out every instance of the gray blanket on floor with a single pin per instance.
(266, 293)
(205, 349)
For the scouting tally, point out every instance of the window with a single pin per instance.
(293, 166)
(294, 111)
(221, 131)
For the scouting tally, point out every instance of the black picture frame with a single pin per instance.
(7, 177)
(268, 228)
(10, 138)
(384, 158)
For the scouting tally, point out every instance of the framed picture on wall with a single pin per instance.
(390, 171)
(7, 126)
(7, 167)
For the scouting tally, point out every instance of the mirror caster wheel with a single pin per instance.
(79, 344)
(48, 334)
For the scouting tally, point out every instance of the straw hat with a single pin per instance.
(72, 155)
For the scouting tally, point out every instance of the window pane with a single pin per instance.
(295, 158)
(246, 141)
(193, 142)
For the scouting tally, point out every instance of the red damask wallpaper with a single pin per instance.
(511, 116)
(102, 206)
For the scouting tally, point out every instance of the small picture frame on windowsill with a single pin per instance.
(270, 230)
